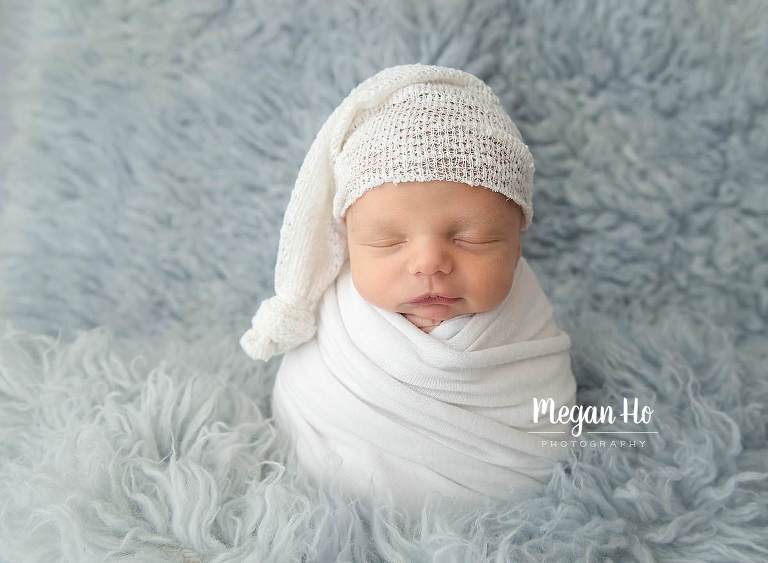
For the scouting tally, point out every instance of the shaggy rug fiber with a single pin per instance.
(142, 201)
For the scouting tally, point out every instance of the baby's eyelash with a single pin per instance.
(473, 242)
(384, 245)
(457, 240)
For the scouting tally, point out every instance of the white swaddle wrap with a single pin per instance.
(378, 404)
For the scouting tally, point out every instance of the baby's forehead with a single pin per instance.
(437, 198)
(438, 209)
(435, 195)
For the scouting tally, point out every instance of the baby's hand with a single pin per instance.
(425, 325)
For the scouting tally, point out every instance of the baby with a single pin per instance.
(441, 238)
(416, 336)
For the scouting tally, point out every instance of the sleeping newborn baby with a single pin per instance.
(416, 339)
(445, 239)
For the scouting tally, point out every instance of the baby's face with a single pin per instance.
(439, 237)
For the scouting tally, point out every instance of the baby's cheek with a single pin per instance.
(489, 282)
(371, 283)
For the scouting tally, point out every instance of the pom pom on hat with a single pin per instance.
(289, 323)
(406, 123)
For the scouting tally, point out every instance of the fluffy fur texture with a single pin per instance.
(142, 207)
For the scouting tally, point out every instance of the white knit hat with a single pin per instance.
(407, 123)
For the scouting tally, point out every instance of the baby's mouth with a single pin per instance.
(434, 300)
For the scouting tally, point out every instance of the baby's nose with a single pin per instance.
(429, 258)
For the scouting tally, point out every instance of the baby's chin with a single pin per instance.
(435, 311)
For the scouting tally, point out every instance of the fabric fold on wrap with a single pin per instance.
(381, 406)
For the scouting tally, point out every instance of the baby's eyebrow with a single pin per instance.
(380, 224)
(483, 220)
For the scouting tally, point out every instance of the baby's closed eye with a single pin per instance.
(462, 240)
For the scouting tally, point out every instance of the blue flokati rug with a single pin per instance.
(138, 232)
